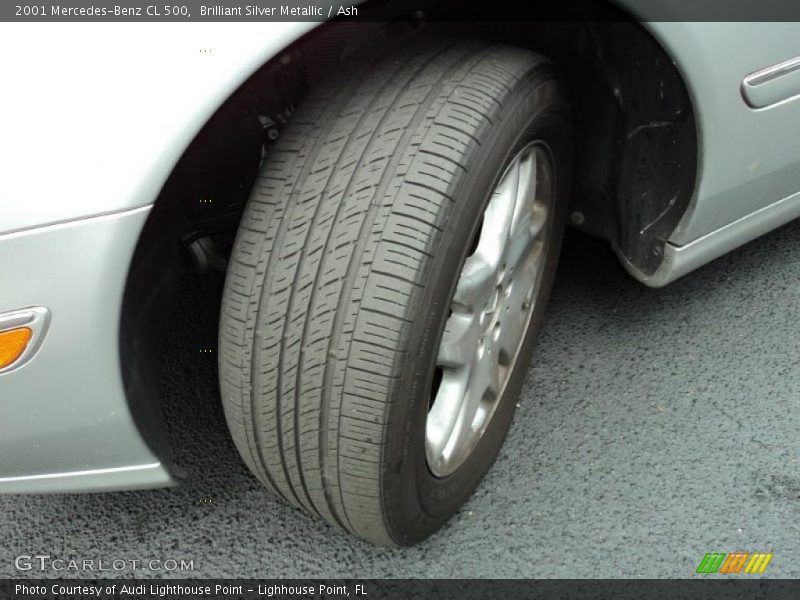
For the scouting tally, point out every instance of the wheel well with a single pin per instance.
(634, 128)
(635, 157)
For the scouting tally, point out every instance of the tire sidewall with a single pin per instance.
(416, 503)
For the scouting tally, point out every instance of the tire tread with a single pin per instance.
(331, 260)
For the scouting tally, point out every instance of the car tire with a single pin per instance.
(348, 269)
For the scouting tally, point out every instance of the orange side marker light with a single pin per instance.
(13, 344)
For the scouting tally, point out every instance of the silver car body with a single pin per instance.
(83, 169)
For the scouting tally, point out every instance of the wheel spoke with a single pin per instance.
(526, 193)
(516, 305)
(529, 215)
(519, 248)
(460, 409)
(459, 340)
(485, 380)
(446, 412)
(474, 286)
(482, 390)
(498, 218)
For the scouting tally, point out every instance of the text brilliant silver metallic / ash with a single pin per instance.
(283, 10)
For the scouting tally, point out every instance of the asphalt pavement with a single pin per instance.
(654, 426)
